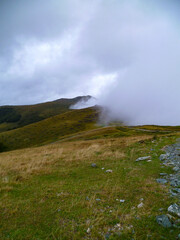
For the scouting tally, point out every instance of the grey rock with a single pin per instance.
(178, 236)
(143, 158)
(176, 169)
(140, 205)
(107, 236)
(93, 165)
(109, 171)
(172, 193)
(175, 209)
(161, 209)
(98, 199)
(163, 157)
(163, 174)
(161, 180)
(163, 220)
(175, 183)
(176, 190)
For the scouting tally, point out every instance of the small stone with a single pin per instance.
(140, 205)
(118, 225)
(163, 174)
(163, 220)
(93, 165)
(149, 160)
(161, 180)
(88, 230)
(122, 200)
(176, 190)
(102, 168)
(161, 209)
(175, 183)
(176, 169)
(109, 171)
(143, 158)
(107, 236)
(170, 216)
(98, 199)
(163, 157)
(149, 236)
(174, 208)
(179, 236)
(87, 198)
(172, 193)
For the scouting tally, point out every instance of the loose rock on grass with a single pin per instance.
(143, 158)
(163, 220)
(93, 165)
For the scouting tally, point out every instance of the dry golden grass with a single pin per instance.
(52, 191)
(42, 159)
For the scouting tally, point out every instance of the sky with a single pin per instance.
(124, 53)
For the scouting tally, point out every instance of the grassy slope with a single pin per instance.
(44, 190)
(50, 129)
(12, 117)
(159, 128)
(73, 125)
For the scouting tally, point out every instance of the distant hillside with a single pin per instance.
(50, 129)
(12, 117)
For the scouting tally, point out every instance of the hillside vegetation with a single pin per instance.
(50, 129)
(76, 179)
(12, 117)
(53, 192)
(156, 128)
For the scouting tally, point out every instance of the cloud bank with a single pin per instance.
(124, 53)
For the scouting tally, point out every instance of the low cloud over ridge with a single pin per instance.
(124, 53)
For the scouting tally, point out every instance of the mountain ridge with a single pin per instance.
(15, 116)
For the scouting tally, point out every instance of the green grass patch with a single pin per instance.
(62, 203)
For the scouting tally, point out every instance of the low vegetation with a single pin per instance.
(54, 182)
(12, 117)
(52, 192)
(50, 129)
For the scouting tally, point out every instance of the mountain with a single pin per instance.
(50, 129)
(12, 117)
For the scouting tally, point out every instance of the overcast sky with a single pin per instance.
(124, 53)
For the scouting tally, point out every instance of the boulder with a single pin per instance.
(175, 209)
(163, 220)
(161, 180)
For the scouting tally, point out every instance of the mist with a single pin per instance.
(144, 56)
(126, 54)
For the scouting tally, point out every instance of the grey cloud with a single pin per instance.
(126, 53)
